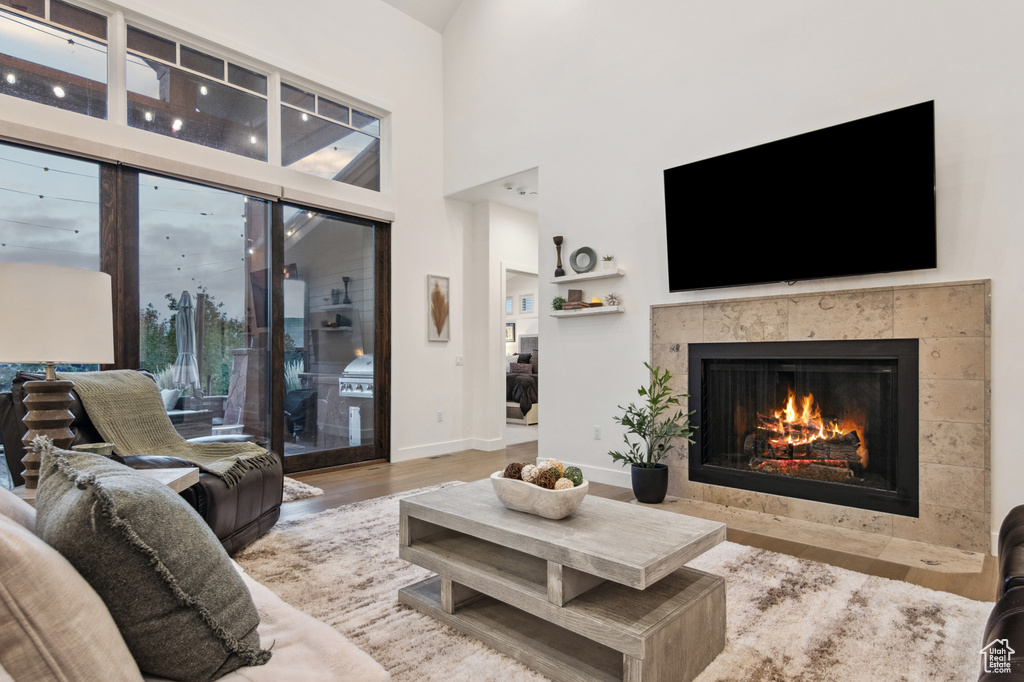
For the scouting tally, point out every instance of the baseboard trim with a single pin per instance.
(433, 449)
(488, 445)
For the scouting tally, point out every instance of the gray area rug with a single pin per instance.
(788, 618)
(297, 490)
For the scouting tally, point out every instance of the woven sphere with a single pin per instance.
(563, 484)
(529, 473)
(545, 480)
(574, 474)
(514, 470)
(552, 464)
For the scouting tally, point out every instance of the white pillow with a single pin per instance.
(53, 625)
(509, 360)
(17, 509)
(170, 396)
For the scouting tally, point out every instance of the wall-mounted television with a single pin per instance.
(852, 199)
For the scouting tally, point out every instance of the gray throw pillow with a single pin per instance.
(183, 611)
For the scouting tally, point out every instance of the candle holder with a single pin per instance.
(559, 272)
(346, 281)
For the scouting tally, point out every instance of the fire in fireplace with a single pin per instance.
(833, 421)
(800, 442)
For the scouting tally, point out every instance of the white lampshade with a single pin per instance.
(51, 313)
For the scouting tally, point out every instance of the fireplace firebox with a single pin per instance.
(830, 421)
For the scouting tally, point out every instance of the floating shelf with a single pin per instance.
(595, 274)
(603, 310)
(337, 306)
(333, 329)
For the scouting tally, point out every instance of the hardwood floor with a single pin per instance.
(354, 483)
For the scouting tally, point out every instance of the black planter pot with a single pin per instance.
(650, 485)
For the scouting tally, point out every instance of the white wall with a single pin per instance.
(603, 95)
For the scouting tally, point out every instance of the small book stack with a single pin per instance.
(575, 301)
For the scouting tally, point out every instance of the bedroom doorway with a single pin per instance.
(522, 344)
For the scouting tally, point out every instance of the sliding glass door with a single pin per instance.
(330, 333)
(256, 317)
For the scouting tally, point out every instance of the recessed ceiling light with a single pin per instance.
(176, 126)
(291, 232)
(305, 117)
(149, 115)
(11, 78)
(203, 90)
(252, 139)
(58, 91)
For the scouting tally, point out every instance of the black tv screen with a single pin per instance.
(851, 199)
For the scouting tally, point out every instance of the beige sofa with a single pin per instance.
(54, 626)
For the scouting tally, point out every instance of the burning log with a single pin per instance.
(833, 471)
(772, 445)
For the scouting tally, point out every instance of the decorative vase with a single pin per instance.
(608, 264)
(650, 485)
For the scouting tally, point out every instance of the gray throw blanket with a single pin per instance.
(126, 409)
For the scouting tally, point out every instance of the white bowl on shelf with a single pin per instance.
(532, 499)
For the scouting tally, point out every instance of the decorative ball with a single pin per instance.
(514, 470)
(554, 472)
(529, 473)
(574, 474)
(563, 484)
(553, 463)
(545, 480)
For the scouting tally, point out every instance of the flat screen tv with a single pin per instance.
(852, 199)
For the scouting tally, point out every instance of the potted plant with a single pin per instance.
(656, 422)
(608, 263)
(557, 302)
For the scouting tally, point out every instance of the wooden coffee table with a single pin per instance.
(600, 595)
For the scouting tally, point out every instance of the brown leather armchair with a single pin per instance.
(237, 515)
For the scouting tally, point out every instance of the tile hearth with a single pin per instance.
(871, 545)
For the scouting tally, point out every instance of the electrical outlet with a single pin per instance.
(597, 433)
(458, 361)
(440, 416)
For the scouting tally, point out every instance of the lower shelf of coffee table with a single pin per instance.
(537, 644)
(673, 653)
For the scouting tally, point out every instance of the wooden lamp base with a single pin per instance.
(47, 403)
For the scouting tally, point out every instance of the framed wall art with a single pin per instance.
(438, 304)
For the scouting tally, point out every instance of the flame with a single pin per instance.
(806, 425)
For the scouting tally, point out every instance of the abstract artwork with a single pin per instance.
(438, 320)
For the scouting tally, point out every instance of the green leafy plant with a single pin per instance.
(653, 422)
(608, 258)
(292, 380)
(557, 302)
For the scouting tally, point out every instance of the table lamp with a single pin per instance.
(53, 314)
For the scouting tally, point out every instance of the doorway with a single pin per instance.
(522, 346)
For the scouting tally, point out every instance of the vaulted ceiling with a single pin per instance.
(433, 13)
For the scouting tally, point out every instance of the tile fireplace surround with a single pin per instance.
(952, 322)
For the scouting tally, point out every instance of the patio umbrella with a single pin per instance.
(186, 369)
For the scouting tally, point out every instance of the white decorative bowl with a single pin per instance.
(532, 499)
